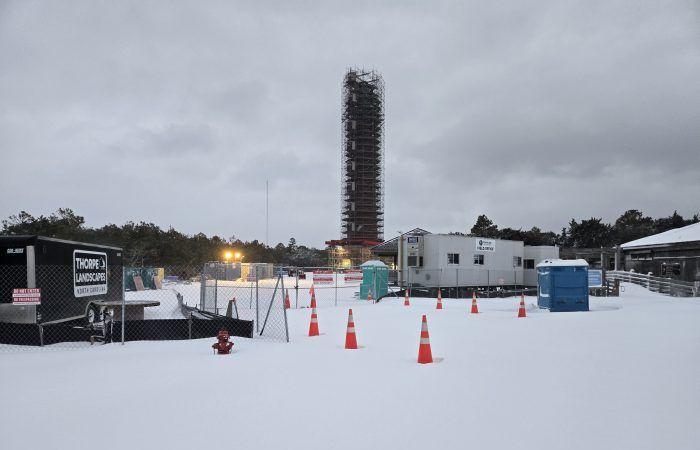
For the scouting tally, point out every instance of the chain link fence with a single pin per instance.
(170, 302)
(62, 308)
(332, 286)
(255, 294)
(66, 309)
(189, 302)
(173, 302)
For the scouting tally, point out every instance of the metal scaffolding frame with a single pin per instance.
(362, 157)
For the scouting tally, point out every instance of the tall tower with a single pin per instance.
(362, 156)
(362, 169)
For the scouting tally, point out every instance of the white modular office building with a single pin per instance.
(446, 260)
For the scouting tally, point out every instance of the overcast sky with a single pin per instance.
(177, 112)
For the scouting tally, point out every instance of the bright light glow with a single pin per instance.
(237, 255)
(228, 255)
(346, 263)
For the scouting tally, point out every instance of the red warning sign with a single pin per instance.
(26, 296)
(353, 276)
(323, 277)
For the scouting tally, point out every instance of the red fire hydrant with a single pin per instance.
(223, 346)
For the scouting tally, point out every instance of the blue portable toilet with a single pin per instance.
(562, 285)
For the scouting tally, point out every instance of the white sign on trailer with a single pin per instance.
(485, 245)
(89, 273)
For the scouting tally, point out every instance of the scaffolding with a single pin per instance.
(362, 158)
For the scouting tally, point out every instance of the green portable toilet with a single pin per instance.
(375, 278)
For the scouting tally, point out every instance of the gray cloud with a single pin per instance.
(531, 112)
(173, 140)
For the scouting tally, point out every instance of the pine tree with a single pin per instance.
(484, 227)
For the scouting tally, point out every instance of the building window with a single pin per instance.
(479, 259)
(517, 261)
(415, 261)
(640, 256)
(668, 270)
(453, 258)
(529, 264)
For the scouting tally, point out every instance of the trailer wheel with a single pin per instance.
(92, 315)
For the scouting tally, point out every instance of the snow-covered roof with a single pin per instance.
(374, 262)
(563, 263)
(687, 233)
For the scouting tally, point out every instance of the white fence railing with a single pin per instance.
(668, 286)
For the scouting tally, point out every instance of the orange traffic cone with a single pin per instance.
(475, 309)
(313, 326)
(439, 300)
(313, 297)
(425, 355)
(406, 302)
(521, 310)
(287, 304)
(350, 337)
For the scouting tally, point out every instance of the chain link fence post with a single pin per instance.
(202, 289)
(250, 302)
(488, 283)
(284, 309)
(123, 311)
(457, 281)
(296, 288)
(257, 301)
(408, 280)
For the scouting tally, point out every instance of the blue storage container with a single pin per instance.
(562, 285)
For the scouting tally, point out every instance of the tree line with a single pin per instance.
(146, 244)
(589, 233)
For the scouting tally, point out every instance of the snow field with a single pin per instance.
(622, 376)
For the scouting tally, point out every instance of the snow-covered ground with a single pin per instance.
(624, 376)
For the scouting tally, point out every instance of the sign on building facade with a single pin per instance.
(485, 245)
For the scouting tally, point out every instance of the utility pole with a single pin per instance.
(267, 213)
(400, 260)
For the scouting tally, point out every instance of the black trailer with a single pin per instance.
(46, 280)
